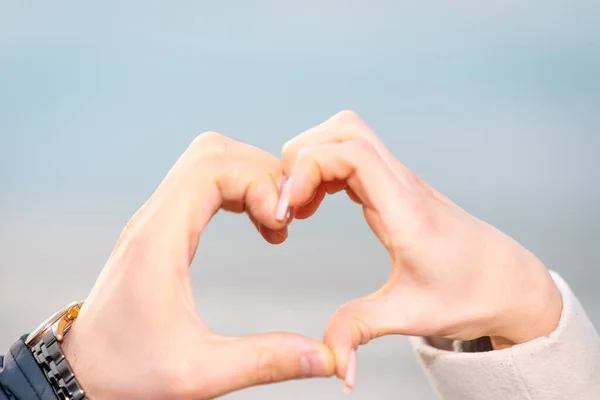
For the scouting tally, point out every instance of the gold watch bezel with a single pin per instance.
(60, 323)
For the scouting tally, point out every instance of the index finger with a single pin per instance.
(343, 126)
(214, 172)
(370, 178)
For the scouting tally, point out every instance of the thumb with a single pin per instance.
(356, 323)
(242, 362)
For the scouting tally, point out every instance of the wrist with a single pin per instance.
(536, 315)
(73, 353)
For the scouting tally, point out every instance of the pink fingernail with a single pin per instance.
(350, 380)
(282, 209)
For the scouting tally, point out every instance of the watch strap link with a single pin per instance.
(49, 356)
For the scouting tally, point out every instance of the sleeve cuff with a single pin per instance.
(564, 365)
(21, 377)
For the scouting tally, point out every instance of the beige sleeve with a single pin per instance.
(564, 365)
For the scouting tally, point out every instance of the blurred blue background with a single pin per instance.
(496, 104)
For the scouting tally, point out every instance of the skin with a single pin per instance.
(139, 336)
(453, 276)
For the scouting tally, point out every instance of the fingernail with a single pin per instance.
(350, 380)
(284, 199)
(314, 364)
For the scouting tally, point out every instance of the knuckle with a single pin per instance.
(359, 326)
(210, 148)
(304, 159)
(210, 143)
(349, 125)
(347, 117)
(259, 197)
(307, 158)
(210, 137)
(304, 154)
(288, 150)
(133, 245)
(266, 367)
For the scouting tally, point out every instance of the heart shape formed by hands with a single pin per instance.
(139, 335)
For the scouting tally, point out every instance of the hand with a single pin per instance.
(452, 275)
(138, 334)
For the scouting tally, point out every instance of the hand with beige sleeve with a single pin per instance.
(488, 320)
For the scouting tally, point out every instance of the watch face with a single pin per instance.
(47, 324)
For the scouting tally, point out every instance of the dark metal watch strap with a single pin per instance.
(51, 359)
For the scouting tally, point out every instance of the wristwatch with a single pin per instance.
(44, 343)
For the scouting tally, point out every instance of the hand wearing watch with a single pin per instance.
(44, 343)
